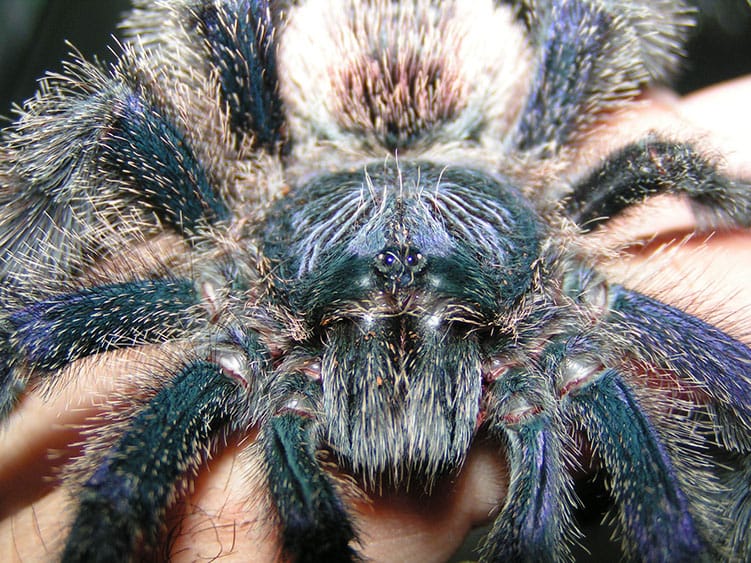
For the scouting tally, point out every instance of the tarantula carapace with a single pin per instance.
(386, 252)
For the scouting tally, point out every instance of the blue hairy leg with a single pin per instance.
(653, 167)
(573, 37)
(717, 368)
(155, 162)
(99, 153)
(314, 523)
(702, 374)
(655, 514)
(241, 41)
(535, 522)
(592, 56)
(532, 407)
(698, 353)
(47, 335)
(123, 502)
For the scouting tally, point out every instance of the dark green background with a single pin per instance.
(33, 35)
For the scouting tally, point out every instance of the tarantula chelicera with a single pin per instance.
(383, 253)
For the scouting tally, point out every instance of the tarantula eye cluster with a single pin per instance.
(369, 265)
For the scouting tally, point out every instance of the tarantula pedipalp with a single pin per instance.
(375, 269)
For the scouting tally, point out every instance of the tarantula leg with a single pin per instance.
(535, 524)
(315, 525)
(47, 335)
(718, 366)
(592, 57)
(123, 502)
(712, 363)
(12, 383)
(573, 36)
(652, 167)
(158, 165)
(89, 149)
(737, 480)
(240, 39)
(654, 512)
(55, 331)
(709, 367)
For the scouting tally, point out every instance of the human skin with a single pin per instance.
(222, 516)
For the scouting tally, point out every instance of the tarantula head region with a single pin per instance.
(398, 271)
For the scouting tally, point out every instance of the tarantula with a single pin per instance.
(384, 252)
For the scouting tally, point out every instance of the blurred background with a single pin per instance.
(33, 35)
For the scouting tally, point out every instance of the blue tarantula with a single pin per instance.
(384, 253)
